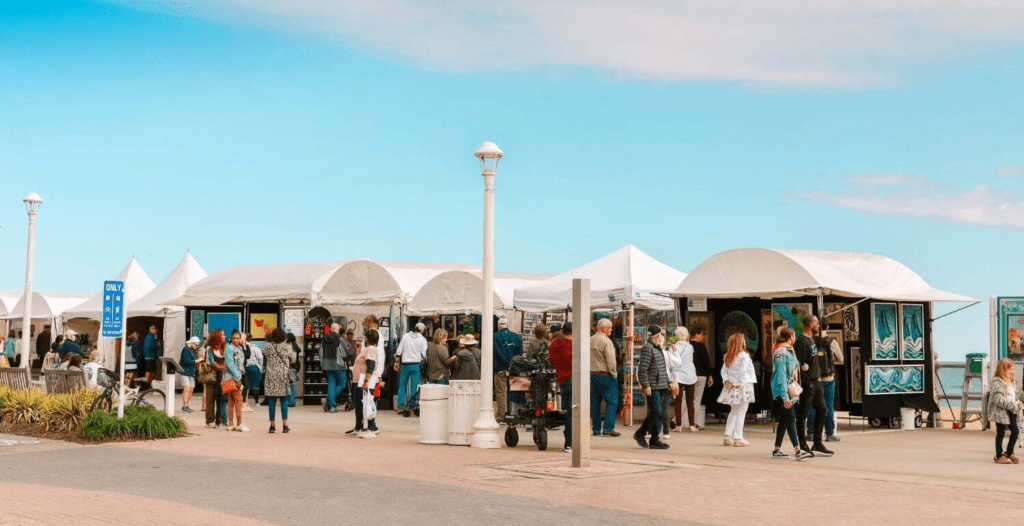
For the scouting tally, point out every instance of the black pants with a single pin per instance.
(1001, 431)
(652, 424)
(357, 397)
(813, 396)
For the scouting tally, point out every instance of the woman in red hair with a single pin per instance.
(738, 392)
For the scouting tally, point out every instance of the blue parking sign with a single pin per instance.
(113, 309)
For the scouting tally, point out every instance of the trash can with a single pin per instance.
(975, 361)
(908, 415)
(433, 414)
(463, 407)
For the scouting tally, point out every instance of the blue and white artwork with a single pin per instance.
(895, 379)
(912, 317)
(884, 331)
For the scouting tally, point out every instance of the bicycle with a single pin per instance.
(141, 396)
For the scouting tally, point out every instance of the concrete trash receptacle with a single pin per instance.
(463, 407)
(433, 414)
(907, 416)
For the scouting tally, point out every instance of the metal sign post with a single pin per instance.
(113, 326)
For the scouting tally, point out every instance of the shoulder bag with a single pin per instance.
(207, 374)
(794, 385)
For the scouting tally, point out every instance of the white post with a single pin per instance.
(26, 320)
(627, 415)
(580, 373)
(486, 427)
(993, 330)
(124, 346)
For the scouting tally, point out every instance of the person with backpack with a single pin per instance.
(830, 354)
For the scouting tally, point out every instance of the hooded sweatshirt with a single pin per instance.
(413, 348)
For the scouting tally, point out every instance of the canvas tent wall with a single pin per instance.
(85, 318)
(46, 310)
(7, 303)
(880, 310)
(185, 273)
(628, 274)
(255, 284)
(461, 292)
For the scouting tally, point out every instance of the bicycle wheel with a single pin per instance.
(152, 398)
(104, 401)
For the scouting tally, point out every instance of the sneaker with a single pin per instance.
(567, 449)
(247, 409)
(229, 428)
(211, 425)
(640, 440)
(271, 430)
(802, 454)
(323, 403)
(820, 450)
(612, 433)
(1013, 458)
(1003, 459)
(727, 441)
(778, 453)
(694, 429)
(367, 434)
(353, 432)
(739, 442)
(242, 428)
(375, 432)
(658, 445)
(832, 438)
(286, 429)
(332, 410)
(666, 436)
(185, 409)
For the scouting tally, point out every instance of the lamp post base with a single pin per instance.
(485, 429)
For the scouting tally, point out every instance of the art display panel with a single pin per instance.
(895, 379)
(856, 376)
(738, 322)
(261, 324)
(198, 324)
(790, 315)
(912, 323)
(884, 332)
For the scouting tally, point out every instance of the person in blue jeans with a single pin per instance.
(604, 383)
(784, 371)
(290, 399)
(832, 354)
(412, 351)
(334, 369)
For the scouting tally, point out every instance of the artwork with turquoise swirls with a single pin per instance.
(734, 322)
(789, 315)
(884, 331)
(912, 317)
(895, 379)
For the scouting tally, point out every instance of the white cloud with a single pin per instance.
(916, 196)
(1010, 171)
(817, 43)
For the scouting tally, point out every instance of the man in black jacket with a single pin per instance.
(653, 377)
(813, 394)
(702, 364)
(830, 353)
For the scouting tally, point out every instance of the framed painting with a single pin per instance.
(197, 324)
(738, 322)
(261, 324)
(704, 320)
(912, 330)
(833, 314)
(895, 379)
(767, 334)
(226, 321)
(851, 325)
(790, 315)
(884, 331)
(856, 377)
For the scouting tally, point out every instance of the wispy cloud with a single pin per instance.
(916, 196)
(833, 44)
(1010, 171)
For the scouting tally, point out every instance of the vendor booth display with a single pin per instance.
(47, 308)
(878, 309)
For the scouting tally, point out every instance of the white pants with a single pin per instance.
(734, 424)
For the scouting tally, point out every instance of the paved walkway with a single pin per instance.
(314, 473)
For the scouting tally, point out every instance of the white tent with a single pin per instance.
(7, 302)
(47, 305)
(770, 273)
(462, 291)
(136, 285)
(365, 282)
(184, 274)
(627, 275)
(265, 283)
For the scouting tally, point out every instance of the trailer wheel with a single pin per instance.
(875, 422)
(511, 437)
(540, 437)
(918, 421)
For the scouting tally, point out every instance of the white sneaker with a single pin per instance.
(739, 442)
(247, 409)
(666, 436)
(242, 428)
(367, 434)
(229, 428)
(727, 440)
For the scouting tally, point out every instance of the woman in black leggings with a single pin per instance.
(785, 367)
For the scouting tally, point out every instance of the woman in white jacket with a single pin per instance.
(676, 358)
(738, 391)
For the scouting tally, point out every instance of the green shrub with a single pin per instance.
(23, 407)
(65, 412)
(143, 422)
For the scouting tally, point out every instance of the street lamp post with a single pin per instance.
(32, 202)
(486, 427)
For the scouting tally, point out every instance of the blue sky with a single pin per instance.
(259, 132)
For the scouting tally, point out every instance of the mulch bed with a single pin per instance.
(39, 431)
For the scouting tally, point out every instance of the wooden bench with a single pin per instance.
(15, 377)
(64, 382)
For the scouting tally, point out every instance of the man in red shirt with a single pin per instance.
(560, 354)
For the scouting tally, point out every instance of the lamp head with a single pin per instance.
(32, 202)
(489, 155)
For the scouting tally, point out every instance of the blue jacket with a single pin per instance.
(10, 347)
(69, 346)
(150, 350)
(187, 361)
(506, 345)
(229, 359)
(784, 362)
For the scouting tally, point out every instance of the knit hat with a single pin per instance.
(653, 330)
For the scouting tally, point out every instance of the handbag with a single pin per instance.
(794, 386)
(293, 377)
(207, 374)
(228, 386)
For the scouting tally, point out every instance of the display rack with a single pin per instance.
(314, 384)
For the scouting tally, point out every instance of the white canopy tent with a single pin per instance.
(47, 308)
(184, 274)
(462, 291)
(768, 273)
(7, 302)
(628, 275)
(366, 282)
(264, 283)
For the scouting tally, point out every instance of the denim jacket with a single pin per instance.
(784, 362)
